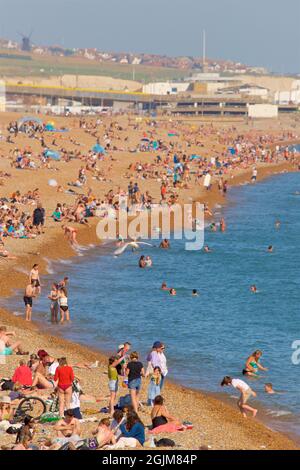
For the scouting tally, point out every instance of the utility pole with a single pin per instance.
(204, 50)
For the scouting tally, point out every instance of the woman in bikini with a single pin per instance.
(63, 305)
(253, 366)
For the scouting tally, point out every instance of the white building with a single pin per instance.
(247, 90)
(291, 96)
(165, 88)
(262, 111)
(136, 61)
(287, 97)
(212, 82)
(2, 96)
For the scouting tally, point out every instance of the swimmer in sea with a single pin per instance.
(195, 293)
(165, 244)
(213, 227)
(172, 291)
(207, 249)
(148, 262)
(164, 286)
(253, 289)
(277, 224)
(269, 389)
(142, 262)
(270, 249)
(253, 366)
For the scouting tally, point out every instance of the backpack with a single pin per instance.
(7, 384)
(124, 401)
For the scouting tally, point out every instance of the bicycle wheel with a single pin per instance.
(32, 406)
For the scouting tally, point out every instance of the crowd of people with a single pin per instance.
(173, 167)
(51, 379)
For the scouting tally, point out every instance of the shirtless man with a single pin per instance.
(68, 426)
(34, 278)
(70, 234)
(10, 347)
(29, 294)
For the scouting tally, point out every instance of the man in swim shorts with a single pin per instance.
(29, 293)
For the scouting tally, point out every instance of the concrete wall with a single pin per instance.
(263, 110)
(262, 92)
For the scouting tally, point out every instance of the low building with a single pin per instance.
(165, 88)
(247, 90)
(210, 83)
(287, 97)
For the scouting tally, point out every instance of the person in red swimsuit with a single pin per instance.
(64, 376)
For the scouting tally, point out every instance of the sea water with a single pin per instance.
(112, 300)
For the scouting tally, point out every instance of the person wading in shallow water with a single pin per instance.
(29, 294)
(246, 393)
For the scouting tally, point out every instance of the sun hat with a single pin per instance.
(5, 399)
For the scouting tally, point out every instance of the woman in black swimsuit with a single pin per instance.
(160, 414)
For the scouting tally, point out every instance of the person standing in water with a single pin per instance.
(254, 175)
(246, 393)
(34, 278)
(53, 296)
(164, 244)
(29, 294)
(63, 304)
(222, 225)
(70, 234)
(253, 366)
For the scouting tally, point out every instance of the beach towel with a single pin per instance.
(169, 427)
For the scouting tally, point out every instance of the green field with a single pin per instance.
(52, 65)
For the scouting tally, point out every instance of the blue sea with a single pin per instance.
(211, 335)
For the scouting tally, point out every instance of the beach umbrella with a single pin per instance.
(98, 149)
(50, 126)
